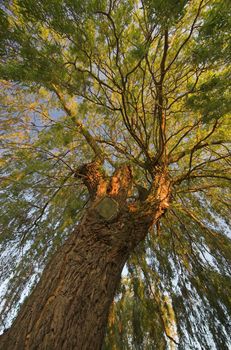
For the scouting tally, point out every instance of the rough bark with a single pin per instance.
(69, 307)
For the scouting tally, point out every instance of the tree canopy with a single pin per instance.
(144, 83)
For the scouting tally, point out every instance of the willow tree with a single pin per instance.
(115, 151)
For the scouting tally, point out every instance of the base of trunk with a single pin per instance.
(69, 307)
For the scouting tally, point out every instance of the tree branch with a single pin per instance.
(81, 128)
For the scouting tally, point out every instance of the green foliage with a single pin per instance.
(213, 97)
(214, 43)
(165, 12)
(144, 83)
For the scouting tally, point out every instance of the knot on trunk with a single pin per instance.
(107, 208)
(111, 195)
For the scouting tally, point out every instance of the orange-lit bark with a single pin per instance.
(69, 307)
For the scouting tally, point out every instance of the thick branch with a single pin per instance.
(81, 128)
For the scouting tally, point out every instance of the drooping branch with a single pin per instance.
(81, 128)
(44, 208)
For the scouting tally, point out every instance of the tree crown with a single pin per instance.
(144, 83)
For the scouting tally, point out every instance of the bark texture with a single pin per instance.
(69, 307)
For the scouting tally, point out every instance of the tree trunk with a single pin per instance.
(69, 307)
